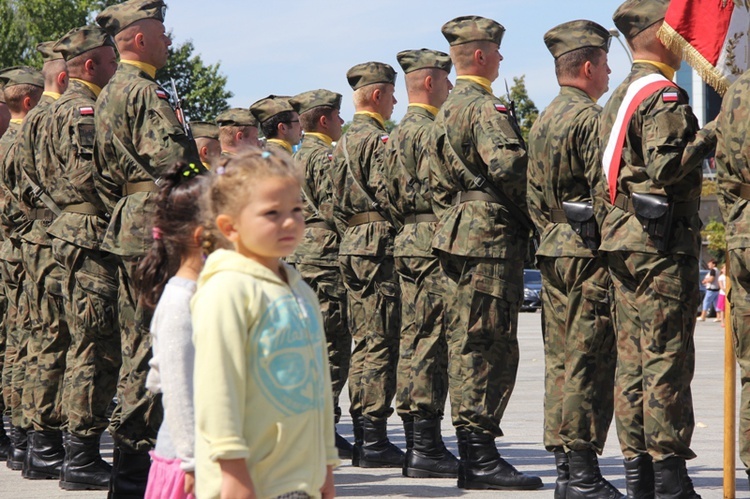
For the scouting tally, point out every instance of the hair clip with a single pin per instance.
(220, 170)
(265, 155)
(156, 233)
(189, 171)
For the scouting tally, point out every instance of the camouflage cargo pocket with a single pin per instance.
(596, 309)
(671, 312)
(95, 302)
(494, 303)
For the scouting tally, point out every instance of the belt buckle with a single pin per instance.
(479, 181)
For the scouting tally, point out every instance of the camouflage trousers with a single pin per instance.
(328, 284)
(373, 314)
(422, 375)
(93, 361)
(482, 323)
(49, 340)
(18, 327)
(656, 298)
(580, 353)
(138, 415)
(738, 271)
(3, 344)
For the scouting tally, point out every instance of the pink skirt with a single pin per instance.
(720, 303)
(166, 480)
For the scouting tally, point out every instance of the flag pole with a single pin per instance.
(730, 397)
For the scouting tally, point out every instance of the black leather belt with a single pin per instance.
(419, 218)
(466, 196)
(366, 217)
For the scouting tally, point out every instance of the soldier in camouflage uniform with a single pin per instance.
(4, 114)
(478, 187)
(89, 283)
(316, 257)
(579, 341)
(654, 271)
(422, 379)
(279, 123)
(366, 257)
(733, 170)
(138, 137)
(238, 129)
(49, 339)
(206, 137)
(23, 90)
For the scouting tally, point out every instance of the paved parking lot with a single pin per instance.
(522, 444)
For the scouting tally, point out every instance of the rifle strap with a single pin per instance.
(41, 194)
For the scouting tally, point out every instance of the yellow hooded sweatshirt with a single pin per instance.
(262, 381)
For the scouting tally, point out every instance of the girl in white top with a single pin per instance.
(263, 403)
(168, 274)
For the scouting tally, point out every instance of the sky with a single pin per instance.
(286, 48)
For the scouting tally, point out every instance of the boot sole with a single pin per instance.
(462, 484)
(39, 475)
(377, 464)
(15, 466)
(417, 473)
(82, 486)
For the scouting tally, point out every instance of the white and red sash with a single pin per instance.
(638, 91)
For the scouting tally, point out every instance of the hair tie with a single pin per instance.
(220, 170)
(156, 233)
(265, 155)
(189, 171)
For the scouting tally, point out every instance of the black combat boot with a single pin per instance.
(428, 457)
(483, 468)
(671, 480)
(5, 445)
(639, 477)
(586, 481)
(45, 455)
(377, 450)
(19, 445)
(342, 445)
(409, 432)
(129, 475)
(563, 474)
(358, 438)
(84, 468)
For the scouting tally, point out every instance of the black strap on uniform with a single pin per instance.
(370, 198)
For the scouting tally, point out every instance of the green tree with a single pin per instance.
(713, 232)
(526, 110)
(201, 87)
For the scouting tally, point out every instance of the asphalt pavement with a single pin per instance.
(522, 443)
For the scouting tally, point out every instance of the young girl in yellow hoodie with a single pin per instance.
(263, 403)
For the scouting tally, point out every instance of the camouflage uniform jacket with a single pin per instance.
(663, 154)
(564, 165)
(476, 121)
(69, 176)
(408, 182)
(138, 137)
(320, 246)
(733, 162)
(365, 142)
(8, 252)
(29, 158)
(11, 215)
(276, 148)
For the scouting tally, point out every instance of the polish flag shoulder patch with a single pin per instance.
(384, 138)
(670, 96)
(162, 94)
(86, 111)
(501, 108)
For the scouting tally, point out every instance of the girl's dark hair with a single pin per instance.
(176, 216)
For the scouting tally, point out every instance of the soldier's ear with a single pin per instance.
(376, 95)
(62, 79)
(428, 83)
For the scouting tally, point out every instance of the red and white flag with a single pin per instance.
(712, 37)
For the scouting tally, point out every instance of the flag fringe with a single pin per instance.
(677, 44)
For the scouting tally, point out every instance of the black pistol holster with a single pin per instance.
(581, 218)
(655, 213)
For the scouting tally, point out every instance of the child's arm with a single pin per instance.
(235, 480)
(328, 490)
